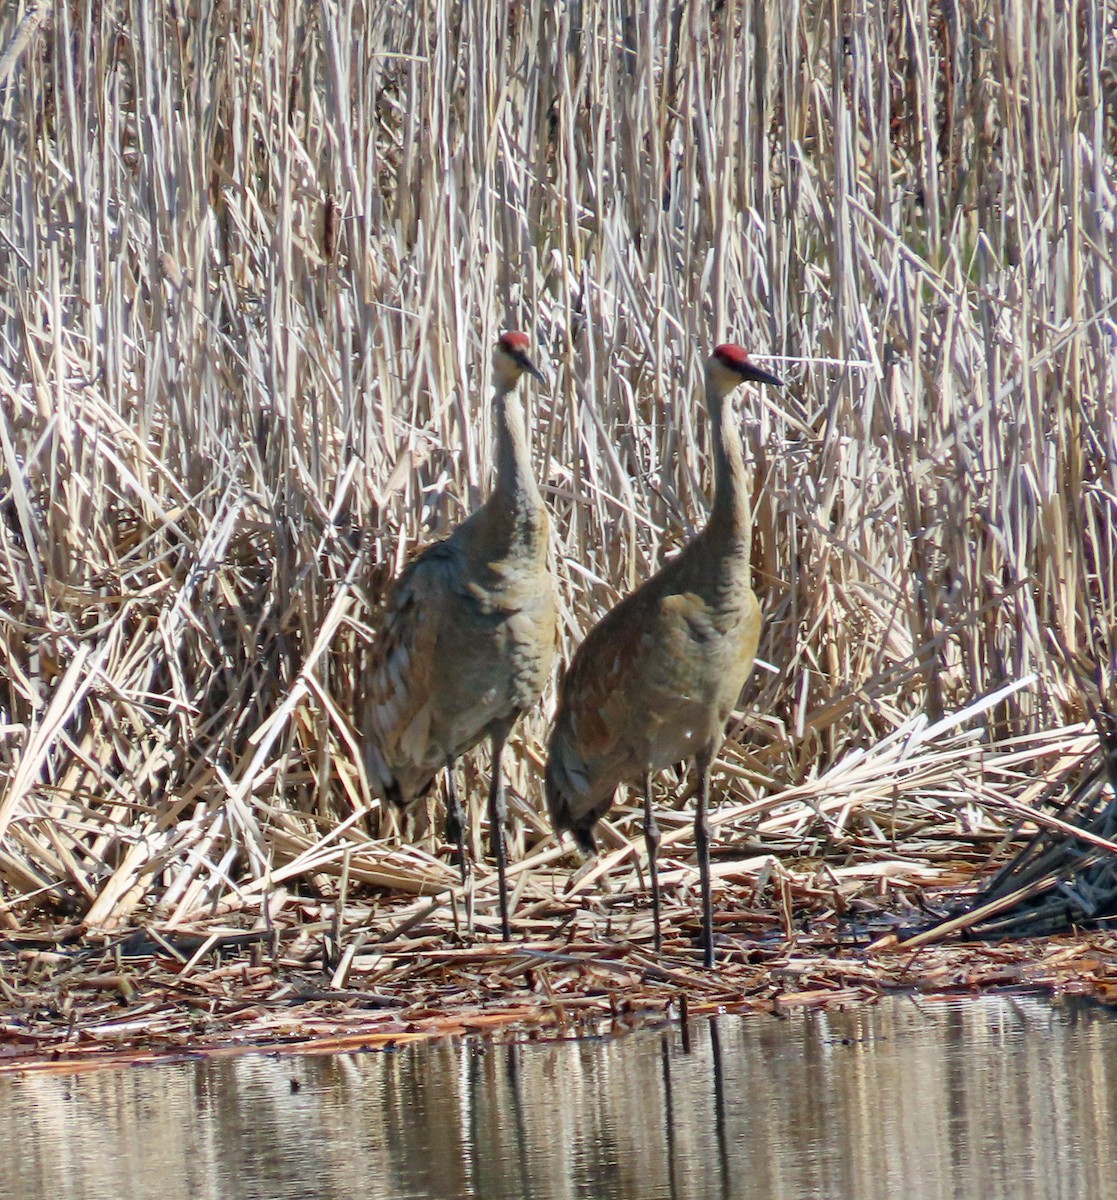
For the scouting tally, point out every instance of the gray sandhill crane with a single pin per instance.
(655, 680)
(468, 636)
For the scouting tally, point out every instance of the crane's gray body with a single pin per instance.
(466, 645)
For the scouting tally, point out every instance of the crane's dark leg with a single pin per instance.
(498, 814)
(455, 820)
(651, 840)
(702, 844)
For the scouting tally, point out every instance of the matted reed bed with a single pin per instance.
(345, 971)
(252, 260)
(217, 991)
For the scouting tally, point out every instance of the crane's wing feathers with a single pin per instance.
(588, 753)
(652, 682)
(596, 690)
(402, 674)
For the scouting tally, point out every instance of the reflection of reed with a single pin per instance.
(997, 1098)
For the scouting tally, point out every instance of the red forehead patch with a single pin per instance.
(514, 343)
(731, 355)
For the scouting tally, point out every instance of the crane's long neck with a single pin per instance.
(515, 499)
(729, 516)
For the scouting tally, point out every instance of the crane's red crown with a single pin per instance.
(514, 343)
(732, 356)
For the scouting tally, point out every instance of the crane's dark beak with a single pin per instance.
(527, 365)
(754, 374)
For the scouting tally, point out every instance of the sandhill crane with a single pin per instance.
(468, 636)
(655, 680)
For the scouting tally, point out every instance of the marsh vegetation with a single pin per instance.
(252, 261)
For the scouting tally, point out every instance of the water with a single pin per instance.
(986, 1098)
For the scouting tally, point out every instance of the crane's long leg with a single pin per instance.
(498, 814)
(702, 845)
(651, 840)
(455, 820)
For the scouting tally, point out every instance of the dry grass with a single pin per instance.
(252, 259)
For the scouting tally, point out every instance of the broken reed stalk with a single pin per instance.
(250, 278)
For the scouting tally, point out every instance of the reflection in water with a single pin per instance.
(987, 1098)
(724, 1171)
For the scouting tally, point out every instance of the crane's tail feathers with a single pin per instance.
(583, 836)
(567, 807)
(393, 792)
(387, 785)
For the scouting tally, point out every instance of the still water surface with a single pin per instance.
(908, 1098)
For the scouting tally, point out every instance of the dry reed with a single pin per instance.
(252, 259)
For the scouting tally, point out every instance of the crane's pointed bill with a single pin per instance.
(527, 365)
(756, 374)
